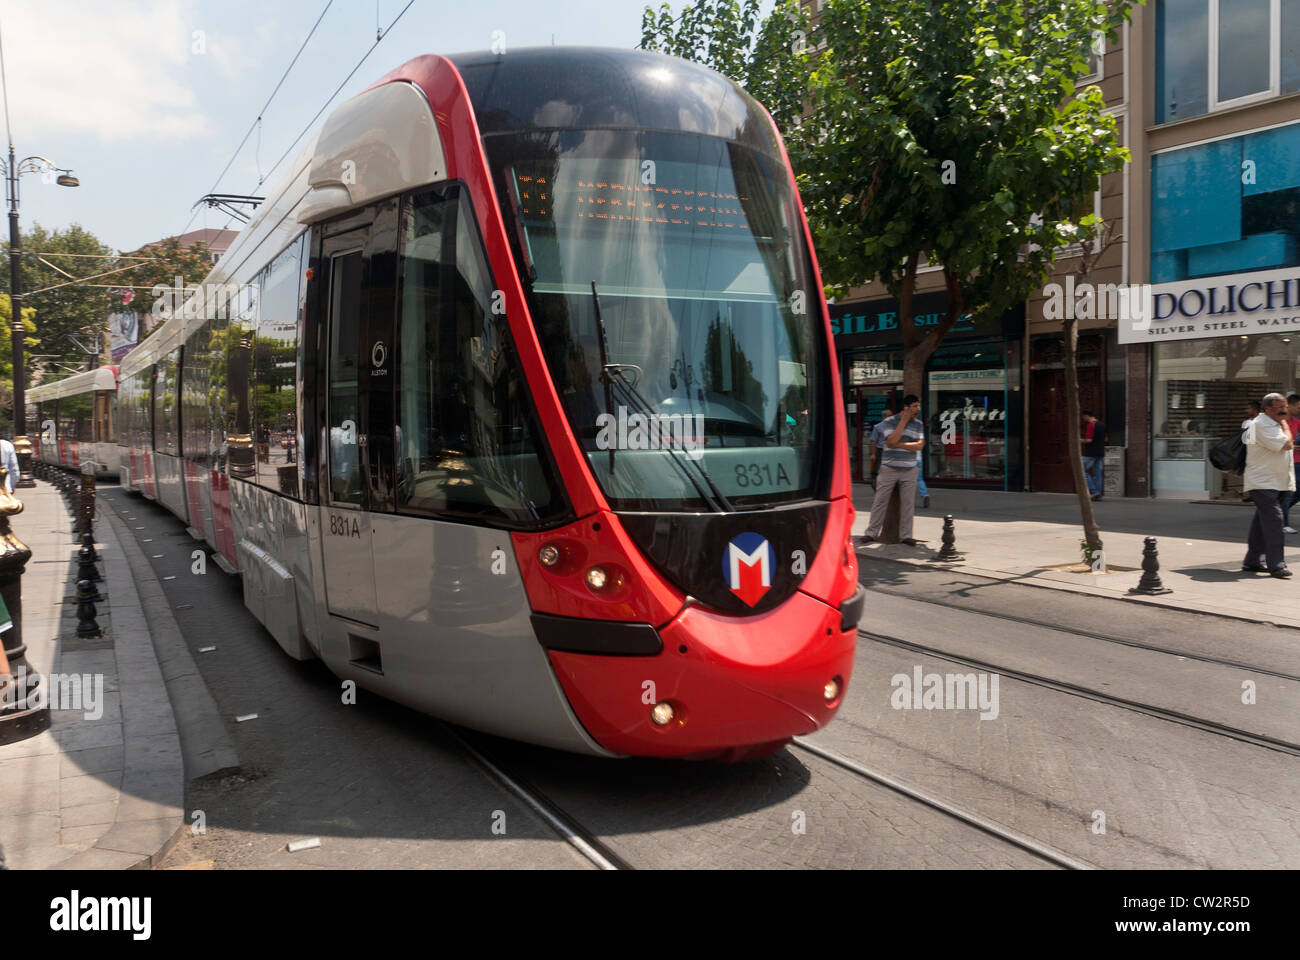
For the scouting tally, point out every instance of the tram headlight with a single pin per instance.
(832, 690)
(596, 578)
(662, 713)
(549, 555)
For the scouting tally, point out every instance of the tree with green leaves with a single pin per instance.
(763, 57)
(166, 260)
(954, 132)
(71, 315)
(30, 342)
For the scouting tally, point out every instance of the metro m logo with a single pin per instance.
(748, 565)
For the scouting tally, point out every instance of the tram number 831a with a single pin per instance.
(761, 475)
(344, 526)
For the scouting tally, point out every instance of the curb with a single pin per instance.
(1031, 580)
(150, 812)
(205, 741)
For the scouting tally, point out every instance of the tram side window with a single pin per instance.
(165, 404)
(142, 410)
(344, 378)
(75, 417)
(468, 434)
(46, 421)
(194, 394)
(236, 411)
(275, 374)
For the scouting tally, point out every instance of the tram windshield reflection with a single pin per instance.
(671, 291)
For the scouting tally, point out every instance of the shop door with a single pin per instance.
(1049, 449)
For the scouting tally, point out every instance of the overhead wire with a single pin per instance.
(257, 121)
(339, 88)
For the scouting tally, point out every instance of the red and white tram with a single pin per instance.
(516, 403)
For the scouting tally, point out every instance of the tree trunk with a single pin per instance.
(907, 324)
(917, 351)
(1073, 425)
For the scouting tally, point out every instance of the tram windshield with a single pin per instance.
(672, 294)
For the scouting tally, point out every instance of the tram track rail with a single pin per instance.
(982, 824)
(1062, 686)
(1091, 634)
(569, 829)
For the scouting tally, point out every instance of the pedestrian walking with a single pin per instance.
(1293, 424)
(9, 460)
(1270, 477)
(904, 439)
(1094, 454)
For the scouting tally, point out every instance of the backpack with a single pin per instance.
(1230, 454)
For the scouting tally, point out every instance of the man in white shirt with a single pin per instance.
(1269, 477)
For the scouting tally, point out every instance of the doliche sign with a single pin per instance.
(1241, 304)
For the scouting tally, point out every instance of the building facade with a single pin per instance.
(1205, 222)
(1217, 174)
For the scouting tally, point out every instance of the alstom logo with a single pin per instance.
(747, 567)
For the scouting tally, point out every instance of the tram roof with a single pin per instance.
(103, 378)
(582, 87)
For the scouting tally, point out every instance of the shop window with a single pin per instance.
(1228, 206)
(966, 415)
(1200, 396)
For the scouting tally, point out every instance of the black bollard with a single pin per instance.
(1150, 584)
(91, 593)
(86, 595)
(88, 543)
(86, 569)
(949, 549)
(86, 512)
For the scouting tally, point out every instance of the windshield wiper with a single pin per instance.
(717, 501)
(604, 368)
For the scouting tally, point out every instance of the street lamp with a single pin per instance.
(12, 171)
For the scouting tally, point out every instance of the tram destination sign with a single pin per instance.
(1241, 304)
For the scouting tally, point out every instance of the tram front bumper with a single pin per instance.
(727, 681)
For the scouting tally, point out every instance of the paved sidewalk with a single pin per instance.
(103, 787)
(1026, 537)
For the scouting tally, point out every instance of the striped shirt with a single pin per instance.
(897, 456)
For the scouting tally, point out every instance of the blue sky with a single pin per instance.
(115, 90)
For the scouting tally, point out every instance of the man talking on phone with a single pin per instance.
(904, 438)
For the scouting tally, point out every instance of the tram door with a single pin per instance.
(359, 449)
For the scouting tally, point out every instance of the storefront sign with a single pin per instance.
(876, 322)
(1240, 304)
(868, 371)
